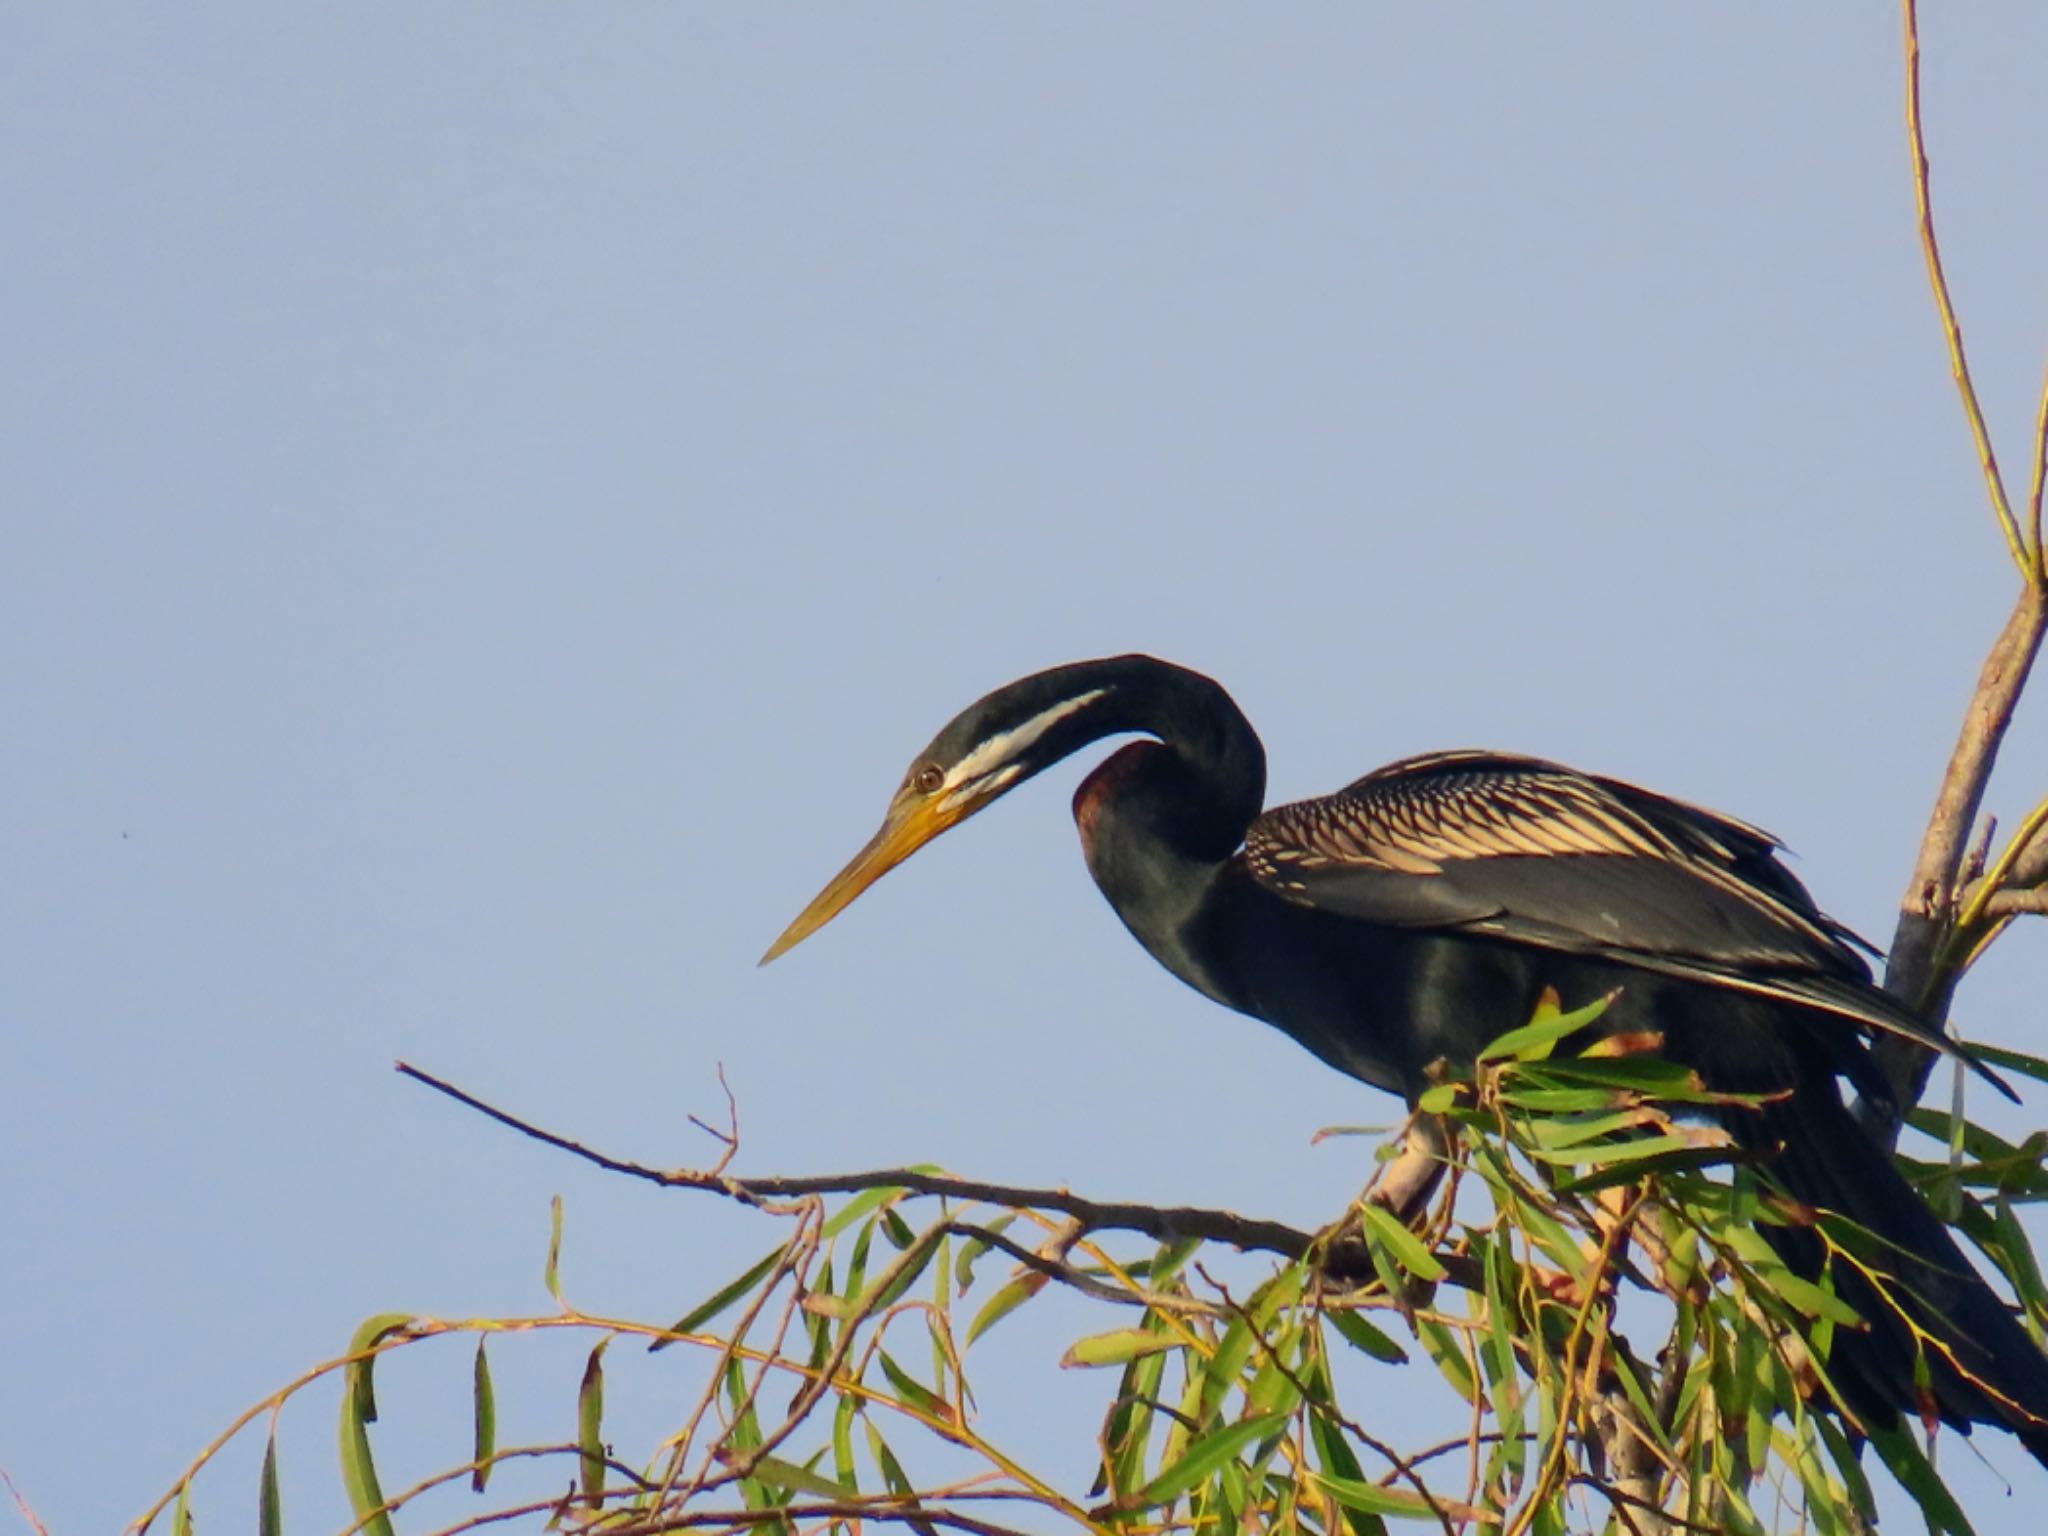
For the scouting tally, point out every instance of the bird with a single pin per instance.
(1416, 914)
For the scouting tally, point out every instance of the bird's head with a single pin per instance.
(985, 751)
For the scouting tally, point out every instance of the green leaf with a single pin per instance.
(1849, 1464)
(915, 1392)
(886, 1462)
(842, 1444)
(897, 1229)
(1404, 1246)
(1128, 1426)
(358, 1412)
(1653, 1077)
(1631, 1151)
(1803, 1295)
(973, 1248)
(1207, 1455)
(1117, 1348)
(590, 1426)
(485, 1417)
(1559, 1101)
(1372, 1499)
(1903, 1458)
(1448, 1352)
(1535, 1040)
(1571, 1130)
(701, 1314)
(789, 1475)
(1362, 1335)
(1657, 1165)
(1334, 1456)
(869, 1199)
(1436, 1100)
(181, 1512)
(917, 1258)
(1009, 1296)
(269, 1507)
(551, 1272)
(2011, 1061)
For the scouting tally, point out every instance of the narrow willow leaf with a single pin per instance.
(181, 1512)
(1445, 1349)
(1334, 1456)
(857, 1261)
(1273, 1389)
(1848, 1464)
(358, 1412)
(788, 1474)
(701, 1314)
(2016, 1257)
(886, 1462)
(745, 1432)
(1207, 1455)
(1219, 1373)
(1653, 1077)
(972, 1250)
(1557, 1244)
(1129, 1426)
(1655, 1164)
(485, 1417)
(870, 1199)
(1903, 1458)
(1372, 1499)
(1168, 1262)
(897, 1230)
(1571, 1130)
(1535, 1040)
(917, 1258)
(590, 1427)
(374, 1331)
(269, 1507)
(1631, 1151)
(551, 1272)
(2012, 1061)
(1011, 1295)
(842, 1444)
(1559, 1101)
(1362, 1335)
(1639, 1398)
(914, 1392)
(1804, 1296)
(1439, 1099)
(1398, 1241)
(1117, 1348)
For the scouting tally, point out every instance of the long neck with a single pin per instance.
(1160, 819)
(1204, 782)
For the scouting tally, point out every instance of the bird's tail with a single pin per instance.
(1929, 1304)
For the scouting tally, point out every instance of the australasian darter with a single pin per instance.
(1417, 913)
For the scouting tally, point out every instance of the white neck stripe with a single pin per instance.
(1011, 744)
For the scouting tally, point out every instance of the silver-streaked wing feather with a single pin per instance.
(1534, 853)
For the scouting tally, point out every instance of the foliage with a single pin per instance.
(1585, 1204)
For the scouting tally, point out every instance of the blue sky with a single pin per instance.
(497, 492)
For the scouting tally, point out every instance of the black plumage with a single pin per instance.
(1414, 915)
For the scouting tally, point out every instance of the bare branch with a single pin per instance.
(2016, 903)
(1916, 971)
(1924, 966)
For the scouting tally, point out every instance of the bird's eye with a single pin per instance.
(929, 779)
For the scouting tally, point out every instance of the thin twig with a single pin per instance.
(1401, 1465)
(1951, 329)
(22, 1504)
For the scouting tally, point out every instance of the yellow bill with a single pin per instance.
(913, 821)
